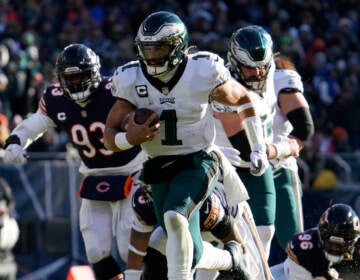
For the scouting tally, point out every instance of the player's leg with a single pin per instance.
(155, 264)
(123, 216)
(289, 216)
(96, 229)
(262, 202)
(186, 192)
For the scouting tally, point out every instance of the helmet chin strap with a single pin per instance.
(333, 258)
(167, 75)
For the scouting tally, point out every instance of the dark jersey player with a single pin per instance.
(218, 222)
(79, 105)
(329, 251)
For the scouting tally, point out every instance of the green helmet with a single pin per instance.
(161, 42)
(251, 47)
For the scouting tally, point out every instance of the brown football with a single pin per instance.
(142, 114)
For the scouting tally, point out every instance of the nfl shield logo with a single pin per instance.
(165, 90)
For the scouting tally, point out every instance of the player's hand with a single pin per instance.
(233, 155)
(14, 153)
(140, 133)
(259, 162)
(294, 147)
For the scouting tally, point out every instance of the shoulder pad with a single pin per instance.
(53, 90)
(124, 76)
(210, 65)
(287, 79)
(209, 56)
(105, 84)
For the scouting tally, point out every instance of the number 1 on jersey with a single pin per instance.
(170, 119)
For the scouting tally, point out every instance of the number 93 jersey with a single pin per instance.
(182, 104)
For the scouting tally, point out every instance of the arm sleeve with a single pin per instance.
(32, 128)
(302, 123)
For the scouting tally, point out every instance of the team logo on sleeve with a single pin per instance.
(61, 116)
(142, 91)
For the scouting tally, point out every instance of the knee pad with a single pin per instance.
(106, 269)
(155, 266)
(173, 221)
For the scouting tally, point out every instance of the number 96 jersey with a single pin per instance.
(305, 250)
(182, 104)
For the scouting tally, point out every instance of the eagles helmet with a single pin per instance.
(78, 71)
(339, 229)
(251, 47)
(161, 42)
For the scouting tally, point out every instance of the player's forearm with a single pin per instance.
(109, 138)
(32, 128)
(137, 249)
(286, 148)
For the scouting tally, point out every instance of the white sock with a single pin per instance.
(214, 258)
(179, 246)
(266, 234)
(202, 274)
(132, 274)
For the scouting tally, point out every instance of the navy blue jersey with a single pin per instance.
(85, 125)
(306, 250)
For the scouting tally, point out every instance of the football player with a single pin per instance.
(292, 122)
(184, 167)
(219, 224)
(250, 57)
(331, 250)
(275, 201)
(79, 105)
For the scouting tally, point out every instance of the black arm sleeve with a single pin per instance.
(12, 139)
(302, 122)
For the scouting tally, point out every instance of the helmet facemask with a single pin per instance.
(336, 244)
(256, 81)
(79, 85)
(159, 57)
(338, 231)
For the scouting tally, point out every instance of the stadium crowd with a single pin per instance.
(322, 38)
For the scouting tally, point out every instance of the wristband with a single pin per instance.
(12, 139)
(282, 149)
(136, 251)
(121, 142)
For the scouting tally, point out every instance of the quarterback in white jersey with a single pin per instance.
(184, 166)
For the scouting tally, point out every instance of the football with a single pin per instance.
(142, 114)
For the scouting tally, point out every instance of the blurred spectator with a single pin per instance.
(322, 37)
(341, 140)
(9, 233)
(4, 129)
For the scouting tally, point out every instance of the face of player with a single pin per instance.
(155, 54)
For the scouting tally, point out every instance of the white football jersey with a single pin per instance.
(282, 126)
(182, 104)
(265, 103)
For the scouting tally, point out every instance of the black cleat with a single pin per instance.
(238, 271)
